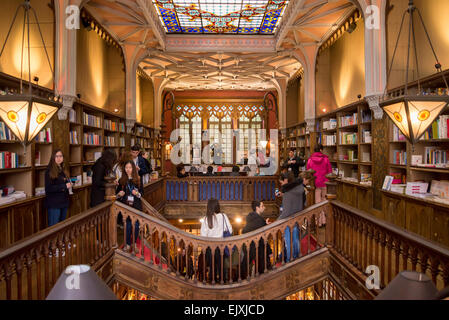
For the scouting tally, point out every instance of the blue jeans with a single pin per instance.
(56, 215)
(295, 244)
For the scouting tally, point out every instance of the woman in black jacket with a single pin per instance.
(57, 185)
(100, 170)
(129, 191)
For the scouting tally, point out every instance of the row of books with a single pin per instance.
(109, 141)
(6, 133)
(435, 155)
(44, 136)
(91, 120)
(366, 116)
(438, 129)
(348, 120)
(348, 138)
(330, 124)
(350, 155)
(366, 178)
(122, 141)
(397, 134)
(74, 137)
(329, 140)
(92, 139)
(9, 160)
(122, 127)
(399, 157)
(366, 136)
(110, 125)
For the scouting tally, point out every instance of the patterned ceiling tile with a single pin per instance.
(221, 16)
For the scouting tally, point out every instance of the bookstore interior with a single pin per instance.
(314, 130)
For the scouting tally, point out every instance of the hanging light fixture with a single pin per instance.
(26, 114)
(414, 113)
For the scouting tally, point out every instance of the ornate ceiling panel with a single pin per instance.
(220, 16)
(195, 70)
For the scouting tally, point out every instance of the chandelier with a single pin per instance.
(26, 114)
(414, 113)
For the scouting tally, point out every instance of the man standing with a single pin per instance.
(139, 161)
(255, 221)
(293, 163)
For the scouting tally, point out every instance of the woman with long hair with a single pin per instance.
(101, 169)
(57, 186)
(214, 225)
(119, 166)
(129, 191)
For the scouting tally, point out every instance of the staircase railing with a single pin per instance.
(221, 188)
(30, 268)
(364, 240)
(222, 260)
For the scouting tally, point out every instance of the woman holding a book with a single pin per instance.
(57, 188)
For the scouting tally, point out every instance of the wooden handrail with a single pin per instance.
(186, 253)
(365, 240)
(42, 257)
(224, 188)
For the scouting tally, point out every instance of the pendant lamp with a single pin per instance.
(413, 113)
(26, 114)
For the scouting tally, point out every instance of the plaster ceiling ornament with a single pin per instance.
(225, 16)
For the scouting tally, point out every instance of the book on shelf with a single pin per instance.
(74, 137)
(348, 138)
(6, 133)
(435, 156)
(397, 134)
(440, 188)
(92, 139)
(87, 177)
(366, 116)
(91, 120)
(39, 191)
(110, 125)
(348, 120)
(366, 156)
(398, 178)
(416, 160)
(387, 183)
(72, 116)
(416, 188)
(122, 141)
(109, 141)
(330, 124)
(398, 188)
(400, 157)
(366, 134)
(122, 127)
(37, 159)
(438, 129)
(329, 140)
(9, 160)
(44, 136)
(352, 155)
(365, 177)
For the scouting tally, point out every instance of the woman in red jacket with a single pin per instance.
(321, 164)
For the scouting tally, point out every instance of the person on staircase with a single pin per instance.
(129, 191)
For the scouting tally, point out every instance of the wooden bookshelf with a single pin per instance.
(345, 134)
(297, 137)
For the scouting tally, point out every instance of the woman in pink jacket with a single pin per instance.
(321, 164)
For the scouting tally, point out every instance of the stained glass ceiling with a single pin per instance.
(220, 16)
